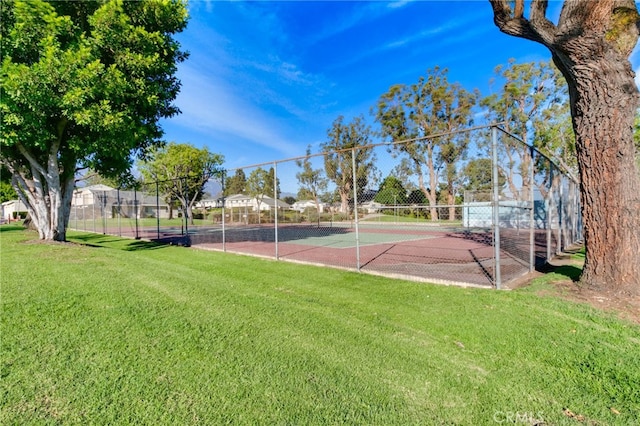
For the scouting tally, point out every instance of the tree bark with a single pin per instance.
(591, 45)
(605, 102)
(46, 191)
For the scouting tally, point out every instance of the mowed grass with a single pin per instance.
(116, 331)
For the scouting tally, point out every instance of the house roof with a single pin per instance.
(96, 188)
(272, 202)
(265, 200)
(238, 197)
(19, 204)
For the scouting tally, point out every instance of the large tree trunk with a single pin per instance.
(451, 200)
(344, 201)
(46, 191)
(430, 192)
(48, 203)
(605, 102)
(590, 45)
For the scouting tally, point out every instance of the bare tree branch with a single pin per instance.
(515, 24)
(519, 10)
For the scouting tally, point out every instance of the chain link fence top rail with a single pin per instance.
(476, 207)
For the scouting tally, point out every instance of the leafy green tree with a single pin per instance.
(259, 185)
(391, 191)
(7, 192)
(236, 184)
(181, 171)
(477, 177)
(124, 181)
(417, 197)
(84, 85)
(312, 181)
(590, 43)
(530, 95)
(348, 142)
(415, 113)
(555, 138)
(272, 183)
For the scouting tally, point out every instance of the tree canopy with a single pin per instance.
(347, 145)
(313, 183)
(391, 192)
(84, 85)
(417, 112)
(181, 172)
(236, 184)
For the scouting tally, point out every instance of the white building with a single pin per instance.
(10, 207)
(263, 203)
(303, 205)
(103, 201)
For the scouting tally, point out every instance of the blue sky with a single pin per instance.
(266, 79)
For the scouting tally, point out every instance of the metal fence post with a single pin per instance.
(561, 218)
(496, 208)
(224, 213)
(119, 213)
(275, 202)
(532, 225)
(186, 208)
(135, 210)
(76, 209)
(355, 206)
(93, 210)
(548, 203)
(158, 208)
(103, 207)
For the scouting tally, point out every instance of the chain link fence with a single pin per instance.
(477, 207)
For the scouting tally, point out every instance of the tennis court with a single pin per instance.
(487, 234)
(433, 253)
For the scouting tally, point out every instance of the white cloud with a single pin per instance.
(211, 105)
(398, 4)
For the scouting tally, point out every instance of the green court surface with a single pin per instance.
(348, 239)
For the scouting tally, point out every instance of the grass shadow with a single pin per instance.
(144, 245)
(118, 243)
(571, 272)
(12, 227)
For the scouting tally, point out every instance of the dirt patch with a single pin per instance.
(623, 305)
(50, 242)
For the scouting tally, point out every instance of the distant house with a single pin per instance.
(10, 207)
(372, 207)
(103, 201)
(303, 205)
(253, 203)
(209, 203)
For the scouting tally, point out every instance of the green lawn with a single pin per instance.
(389, 218)
(117, 331)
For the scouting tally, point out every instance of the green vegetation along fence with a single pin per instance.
(477, 207)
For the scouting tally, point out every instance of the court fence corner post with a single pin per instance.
(158, 208)
(532, 205)
(495, 204)
(275, 205)
(135, 209)
(355, 206)
(224, 212)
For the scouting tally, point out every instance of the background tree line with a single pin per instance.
(530, 99)
(84, 85)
